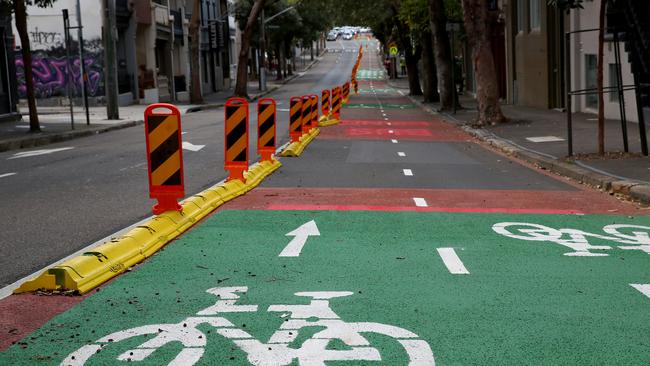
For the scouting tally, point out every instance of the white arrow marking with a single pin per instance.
(38, 152)
(643, 288)
(191, 147)
(300, 235)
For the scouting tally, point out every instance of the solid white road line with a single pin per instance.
(38, 152)
(643, 288)
(401, 153)
(451, 261)
(420, 202)
(408, 172)
(7, 175)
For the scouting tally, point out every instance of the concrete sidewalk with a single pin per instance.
(539, 136)
(56, 125)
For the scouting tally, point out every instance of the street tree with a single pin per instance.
(241, 86)
(195, 73)
(416, 16)
(19, 7)
(438, 16)
(475, 13)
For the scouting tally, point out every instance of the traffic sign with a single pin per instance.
(392, 49)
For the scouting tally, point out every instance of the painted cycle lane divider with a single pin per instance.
(89, 270)
(371, 287)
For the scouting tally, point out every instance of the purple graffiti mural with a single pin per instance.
(50, 71)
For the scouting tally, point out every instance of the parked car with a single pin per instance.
(332, 36)
(347, 36)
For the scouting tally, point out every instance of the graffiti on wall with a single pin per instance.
(50, 71)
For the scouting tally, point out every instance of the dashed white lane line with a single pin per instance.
(7, 175)
(408, 172)
(391, 131)
(420, 202)
(389, 124)
(401, 153)
(451, 261)
(643, 288)
(393, 141)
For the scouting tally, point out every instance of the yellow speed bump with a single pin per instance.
(89, 270)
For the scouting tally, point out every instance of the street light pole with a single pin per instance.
(82, 62)
(262, 56)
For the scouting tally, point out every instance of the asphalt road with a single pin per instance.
(394, 238)
(61, 202)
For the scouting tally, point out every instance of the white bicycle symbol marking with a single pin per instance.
(313, 352)
(637, 237)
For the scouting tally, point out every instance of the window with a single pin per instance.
(522, 14)
(590, 80)
(613, 83)
(535, 14)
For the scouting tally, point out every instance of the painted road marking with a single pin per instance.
(420, 202)
(391, 131)
(300, 235)
(191, 147)
(408, 172)
(393, 141)
(27, 154)
(7, 175)
(544, 139)
(401, 153)
(451, 261)
(643, 288)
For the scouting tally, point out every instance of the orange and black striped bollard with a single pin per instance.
(336, 103)
(295, 118)
(236, 146)
(306, 114)
(314, 111)
(266, 118)
(164, 157)
(325, 103)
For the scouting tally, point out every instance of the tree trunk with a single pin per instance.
(487, 90)
(241, 88)
(21, 26)
(443, 53)
(412, 72)
(601, 97)
(195, 69)
(411, 56)
(430, 79)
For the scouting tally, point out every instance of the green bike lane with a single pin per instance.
(342, 258)
(519, 302)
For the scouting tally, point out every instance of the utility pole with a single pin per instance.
(262, 56)
(82, 63)
(112, 108)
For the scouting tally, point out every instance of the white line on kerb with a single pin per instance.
(401, 153)
(408, 172)
(420, 202)
(451, 261)
(643, 288)
(393, 141)
(7, 175)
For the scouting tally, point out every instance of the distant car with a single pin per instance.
(332, 36)
(347, 36)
